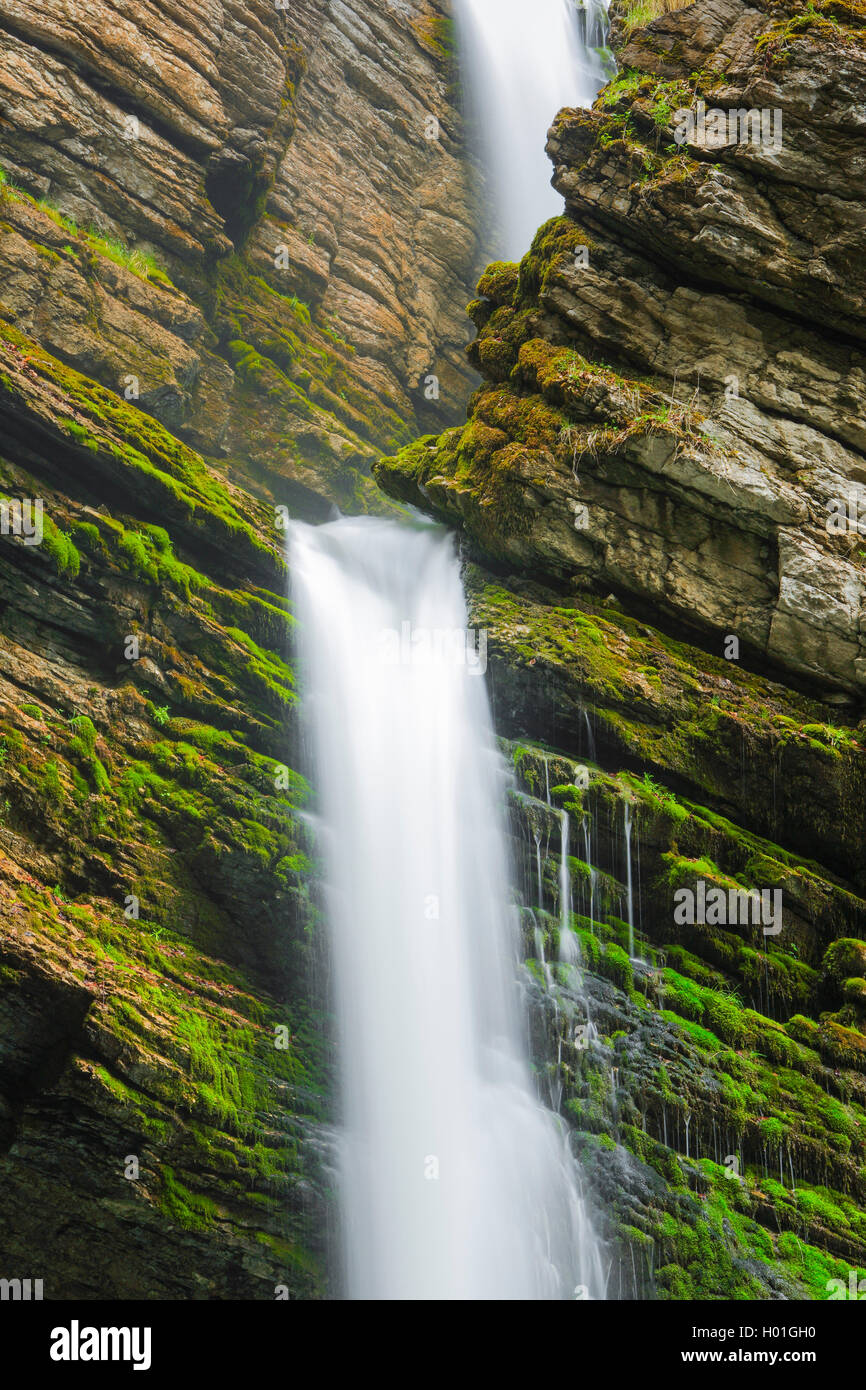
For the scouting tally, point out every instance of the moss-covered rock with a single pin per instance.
(163, 1073)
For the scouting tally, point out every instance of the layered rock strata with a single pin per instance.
(290, 185)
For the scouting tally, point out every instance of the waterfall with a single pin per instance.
(522, 60)
(455, 1182)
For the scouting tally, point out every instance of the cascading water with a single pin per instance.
(455, 1181)
(628, 878)
(569, 950)
(523, 60)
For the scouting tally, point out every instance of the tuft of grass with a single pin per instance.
(141, 263)
(638, 13)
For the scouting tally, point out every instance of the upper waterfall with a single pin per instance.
(523, 60)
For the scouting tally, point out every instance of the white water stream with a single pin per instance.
(522, 60)
(455, 1181)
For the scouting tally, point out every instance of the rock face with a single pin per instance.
(298, 173)
(385, 233)
(671, 412)
(154, 923)
(714, 463)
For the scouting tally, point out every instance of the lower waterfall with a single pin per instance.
(455, 1181)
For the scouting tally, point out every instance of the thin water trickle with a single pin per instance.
(542, 958)
(593, 872)
(628, 874)
(539, 877)
(590, 737)
(455, 1181)
(569, 948)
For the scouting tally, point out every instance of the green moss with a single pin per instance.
(63, 552)
(845, 957)
(191, 1210)
(50, 786)
(556, 240)
(615, 965)
(590, 948)
(290, 363)
(811, 21)
(85, 734)
(137, 555)
(269, 670)
(636, 14)
(661, 798)
(159, 467)
(141, 263)
(88, 537)
(724, 1016)
(702, 1036)
(438, 35)
(499, 282)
